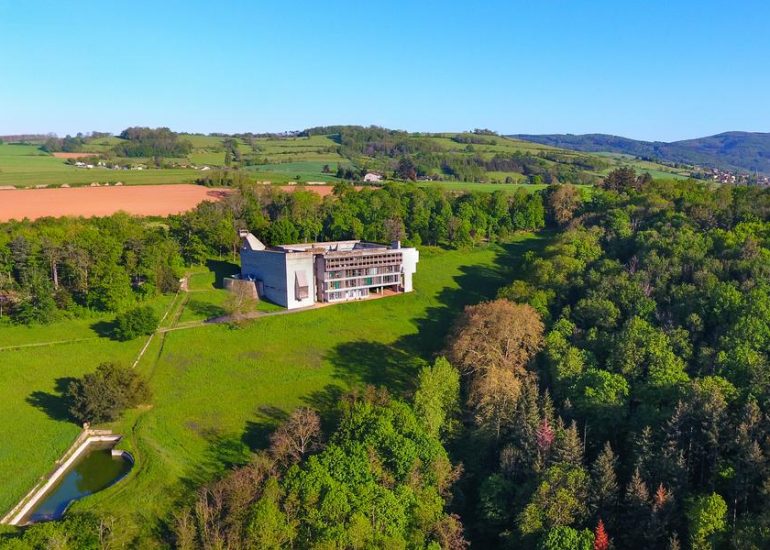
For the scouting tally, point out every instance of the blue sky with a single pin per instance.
(645, 69)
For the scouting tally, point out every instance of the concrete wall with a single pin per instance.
(238, 285)
(18, 514)
(277, 272)
(410, 258)
(269, 267)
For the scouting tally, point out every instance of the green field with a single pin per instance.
(28, 166)
(306, 170)
(282, 160)
(655, 169)
(218, 391)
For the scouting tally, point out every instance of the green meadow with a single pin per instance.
(282, 160)
(218, 391)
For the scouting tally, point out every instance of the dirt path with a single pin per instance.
(52, 343)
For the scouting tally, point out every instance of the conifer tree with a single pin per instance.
(636, 512)
(567, 446)
(643, 452)
(662, 508)
(604, 484)
(601, 539)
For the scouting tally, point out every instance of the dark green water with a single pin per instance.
(94, 471)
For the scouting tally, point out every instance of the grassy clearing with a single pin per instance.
(655, 169)
(36, 430)
(219, 391)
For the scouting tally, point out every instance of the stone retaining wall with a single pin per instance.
(86, 438)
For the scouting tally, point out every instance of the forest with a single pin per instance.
(635, 405)
(615, 394)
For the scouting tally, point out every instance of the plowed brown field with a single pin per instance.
(142, 200)
(145, 200)
(73, 155)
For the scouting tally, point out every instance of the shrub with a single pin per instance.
(103, 395)
(135, 322)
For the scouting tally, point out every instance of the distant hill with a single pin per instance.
(747, 151)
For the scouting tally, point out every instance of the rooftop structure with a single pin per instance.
(300, 275)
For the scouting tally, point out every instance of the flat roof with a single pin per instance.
(331, 246)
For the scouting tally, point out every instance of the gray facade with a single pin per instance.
(300, 275)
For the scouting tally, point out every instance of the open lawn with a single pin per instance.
(218, 391)
(35, 430)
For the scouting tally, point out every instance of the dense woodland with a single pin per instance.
(616, 394)
(642, 399)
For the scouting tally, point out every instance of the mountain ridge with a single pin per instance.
(733, 150)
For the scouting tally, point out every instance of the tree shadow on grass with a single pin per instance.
(105, 329)
(256, 436)
(396, 366)
(476, 283)
(227, 451)
(374, 363)
(205, 309)
(327, 403)
(55, 405)
(224, 452)
(222, 269)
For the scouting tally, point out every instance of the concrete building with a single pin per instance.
(299, 275)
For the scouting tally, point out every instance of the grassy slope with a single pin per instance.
(655, 169)
(287, 159)
(27, 166)
(36, 431)
(218, 391)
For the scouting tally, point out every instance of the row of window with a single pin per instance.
(363, 281)
(344, 273)
(363, 261)
(348, 294)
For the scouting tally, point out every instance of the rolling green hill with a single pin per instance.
(315, 155)
(747, 151)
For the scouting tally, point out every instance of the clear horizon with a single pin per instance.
(657, 72)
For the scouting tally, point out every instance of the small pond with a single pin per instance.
(97, 469)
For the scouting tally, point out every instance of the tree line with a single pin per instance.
(151, 142)
(69, 266)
